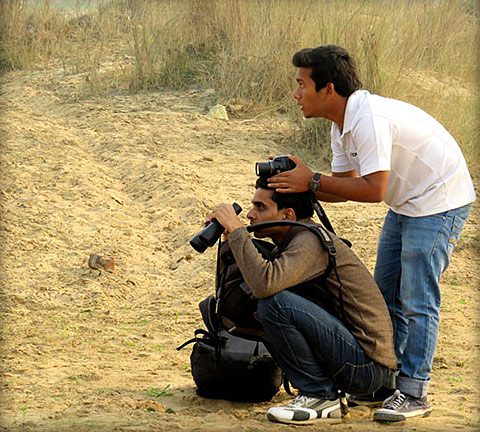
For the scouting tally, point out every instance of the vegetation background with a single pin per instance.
(425, 52)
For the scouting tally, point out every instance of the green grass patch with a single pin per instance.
(159, 392)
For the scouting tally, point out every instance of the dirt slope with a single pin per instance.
(132, 176)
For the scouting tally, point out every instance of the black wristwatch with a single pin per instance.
(315, 182)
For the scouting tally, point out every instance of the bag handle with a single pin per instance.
(208, 338)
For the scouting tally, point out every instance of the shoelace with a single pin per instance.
(299, 400)
(395, 401)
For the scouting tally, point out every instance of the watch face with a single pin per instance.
(314, 185)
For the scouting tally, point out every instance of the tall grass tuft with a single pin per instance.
(29, 33)
(421, 52)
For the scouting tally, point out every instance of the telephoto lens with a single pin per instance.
(209, 235)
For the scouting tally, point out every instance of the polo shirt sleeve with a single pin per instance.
(372, 142)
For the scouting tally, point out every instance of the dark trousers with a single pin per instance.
(315, 350)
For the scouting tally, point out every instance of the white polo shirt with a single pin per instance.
(428, 173)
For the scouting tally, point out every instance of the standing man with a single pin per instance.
(388, 150)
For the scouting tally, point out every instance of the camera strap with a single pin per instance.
(321, 213)
(319, 231)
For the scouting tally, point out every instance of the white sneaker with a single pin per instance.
(304, 410)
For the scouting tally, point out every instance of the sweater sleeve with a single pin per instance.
(301, 260)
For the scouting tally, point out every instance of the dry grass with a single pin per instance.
(423, 52)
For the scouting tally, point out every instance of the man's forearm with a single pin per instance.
(322, 196)
(370, 188)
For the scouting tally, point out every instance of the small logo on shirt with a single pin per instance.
(353, 154)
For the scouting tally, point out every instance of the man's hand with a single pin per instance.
(295, 180)
(225, 214)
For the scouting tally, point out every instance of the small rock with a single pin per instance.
(97, 262)
(218, 112)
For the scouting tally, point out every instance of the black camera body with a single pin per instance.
(277, 165)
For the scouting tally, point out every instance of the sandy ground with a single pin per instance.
(132, 176)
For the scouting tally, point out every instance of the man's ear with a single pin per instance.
(290, 214)
(330, 88)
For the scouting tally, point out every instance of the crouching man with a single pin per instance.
(325, 336)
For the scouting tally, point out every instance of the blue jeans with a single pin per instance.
(315, 350)
(413, 252)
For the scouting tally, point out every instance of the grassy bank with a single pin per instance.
(422, 52)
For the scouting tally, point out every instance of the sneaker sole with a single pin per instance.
(277, 420)
(387, 417)
(305, 422)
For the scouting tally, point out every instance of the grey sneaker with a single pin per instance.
(399, 407)
(304, 409)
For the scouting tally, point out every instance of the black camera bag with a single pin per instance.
(232, 368)
(225, 365)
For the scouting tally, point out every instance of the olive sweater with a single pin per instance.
(301, 258)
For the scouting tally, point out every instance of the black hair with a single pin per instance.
(300, 202)
(330, 64)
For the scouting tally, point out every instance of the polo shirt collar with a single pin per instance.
(350, 111)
